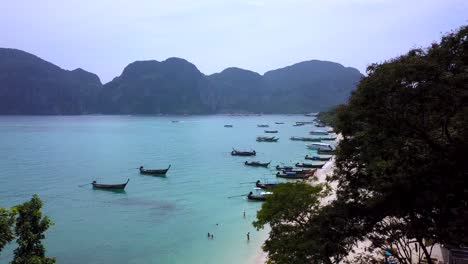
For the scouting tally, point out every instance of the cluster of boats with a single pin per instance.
(121, 186)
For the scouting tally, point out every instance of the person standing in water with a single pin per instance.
(244, 214)
(248, 236)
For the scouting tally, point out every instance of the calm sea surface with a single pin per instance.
(156, 219)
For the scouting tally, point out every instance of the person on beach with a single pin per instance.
(212, 236)
(248, 236)
(244, 214)
(209, 235)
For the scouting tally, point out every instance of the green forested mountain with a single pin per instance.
(30, 85)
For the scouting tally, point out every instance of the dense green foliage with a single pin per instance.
(401, 166)
(30, 85)
(29, 229)
(7, 219)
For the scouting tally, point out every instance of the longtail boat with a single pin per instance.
(271, 131)
(279, 123)
(319, 146)
(311, 171)
(261, 185)
(305, 139)
(257, 163)
(327, 138)
(263, 125)
(227, 125)
(154, 172)
(292, 175)
(267, 139)
(243, 153)
(110, 186)
(258, 197)
(278, 167)
(318, 132)
(299, 124)
(309, 165)
(326, 151)
(317, 158)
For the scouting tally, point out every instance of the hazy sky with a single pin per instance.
(103, 36)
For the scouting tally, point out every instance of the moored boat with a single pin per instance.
(227, 125)
(235, 152)
(257, 163)
(298, 124)
(292, 175)
(267, 139)
(278, 167)
(317, 158)
(263, 126)
(261, 185)
(318, 132)
(154, 172)
(258, 197)
(279, 123)
(309, 165)
(271, 131)
(110, 186)
(319, 146)
(326, 151)
(305, 139)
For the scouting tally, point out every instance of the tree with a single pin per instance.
(404, 148)
(30, 228)
(7, 219)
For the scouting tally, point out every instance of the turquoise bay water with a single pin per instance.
(156, 219)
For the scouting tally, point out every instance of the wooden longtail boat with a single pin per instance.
(279, 123)
(309, 165)
(278, 167)
(311, 171)
(154, 172)
(243, 153)
(257, 163)
(299, 124)
(326, 151)
(265, 185)
(317, 158)
(267, 139)
(318, 132)
(292, 175)
(110, 186)
(258, 197)
(305, 139)
(263, 125)
(271, 131)
(227, 125)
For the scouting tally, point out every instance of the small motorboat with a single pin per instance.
(257, 163)
(279, 123)
(305, 139)
(154, 172)
(227, 125)
(243, 153)
(263, 126)
(317, 158)
(298, 124)
(319, 146)
(318, 132)
(309, 165)
(110, 186)
(267, 139)
(258, 197)
(271, 131)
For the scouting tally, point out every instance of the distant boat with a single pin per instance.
(319, 146)
(298, 124)
(309, 165)
(227, 125)
(267, 139)
(243, 153)
(261, 185)
(263, 126)
(279, 123)
(257, 163)
(258, 197)
(154, 172)
(304, 122)
(292, 175)
(175, 121)
(278, 167)
(318, 132)
(317, 158)
(271, 131)
(110, 186)
(305, 139)
(311, 114)
(326, 151)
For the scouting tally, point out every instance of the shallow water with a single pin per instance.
(156, 219)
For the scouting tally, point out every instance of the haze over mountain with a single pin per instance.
(30, 85)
